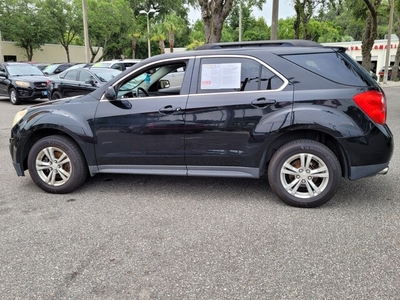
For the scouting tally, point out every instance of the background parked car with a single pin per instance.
(22, 81)
(116, 64)
(56, 68)
(41, 66)
(382, 73)
(78, 81)
(81, 65)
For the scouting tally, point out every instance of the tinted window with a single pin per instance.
(105, 75)
(83, 76)
(236, 74)
(71, 75)
(329, 65)
(117, 66)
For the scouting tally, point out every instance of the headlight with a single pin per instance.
(18, 116)
(22, 83)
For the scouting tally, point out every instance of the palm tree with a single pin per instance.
(173, 25)
(134, 38)
(158, 36)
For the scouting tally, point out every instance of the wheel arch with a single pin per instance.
(86, 148)
(309, 134)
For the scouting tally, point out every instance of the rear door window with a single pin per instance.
(235, 74)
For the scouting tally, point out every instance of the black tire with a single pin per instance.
(56, 95)
(51, 175)
(291, 173)
(14, 98)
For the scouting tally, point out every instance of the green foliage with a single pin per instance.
(108, 23)
(286, 28)
(22, 23)
(65, 21)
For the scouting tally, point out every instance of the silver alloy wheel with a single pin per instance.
(304, 175)
(53, 166)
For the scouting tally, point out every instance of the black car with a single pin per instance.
(271, 108)
(57, 68)
(78, 81)
(22, 82)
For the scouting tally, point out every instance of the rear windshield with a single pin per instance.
(334, 66)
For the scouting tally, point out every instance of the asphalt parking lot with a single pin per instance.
(154, 237)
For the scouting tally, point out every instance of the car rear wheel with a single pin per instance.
(14, 98)
(304, 173)
(57, 165)
(56, 95)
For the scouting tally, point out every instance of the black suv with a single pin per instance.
(22, 81)
(302, 114)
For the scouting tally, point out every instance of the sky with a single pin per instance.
(285, 10)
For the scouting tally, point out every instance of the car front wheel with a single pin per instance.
(56, 95)
(57, 165)
(14, 98)
(304, 173)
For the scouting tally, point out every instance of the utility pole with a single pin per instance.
(85, 31)
(387, 60)
(274, 20)
(240, 21)
(1, 49)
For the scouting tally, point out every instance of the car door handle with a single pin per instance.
(262, 102)
(169, 110)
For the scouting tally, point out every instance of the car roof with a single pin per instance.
(280, 48)
(270, 43)
(10, 63)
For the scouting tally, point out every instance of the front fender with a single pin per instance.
(55, 120)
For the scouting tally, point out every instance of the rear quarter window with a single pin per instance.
(332, 66)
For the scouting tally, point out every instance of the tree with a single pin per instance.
(65, 21)
(108, 23)
(23, 23)
(213, 14)
(251, 28)
(305, 10)
(196, 35)
(368, 11)
(158, 36)
(172, 24)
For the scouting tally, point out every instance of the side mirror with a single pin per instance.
(91, 82)
(162, 84)
(110, 93)
(2, 74)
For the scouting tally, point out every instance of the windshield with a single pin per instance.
(21, 70)
(101, 65)
(106, 75)
(50, 69)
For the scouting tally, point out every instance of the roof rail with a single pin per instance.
(271, 43)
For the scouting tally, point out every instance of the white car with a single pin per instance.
(121, 65)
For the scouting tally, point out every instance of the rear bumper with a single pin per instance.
(366, 171)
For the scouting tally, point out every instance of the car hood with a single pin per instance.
(30, 78)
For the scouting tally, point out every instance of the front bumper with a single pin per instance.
(31, 94)
(17, 166)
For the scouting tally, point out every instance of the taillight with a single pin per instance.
(373, 103)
